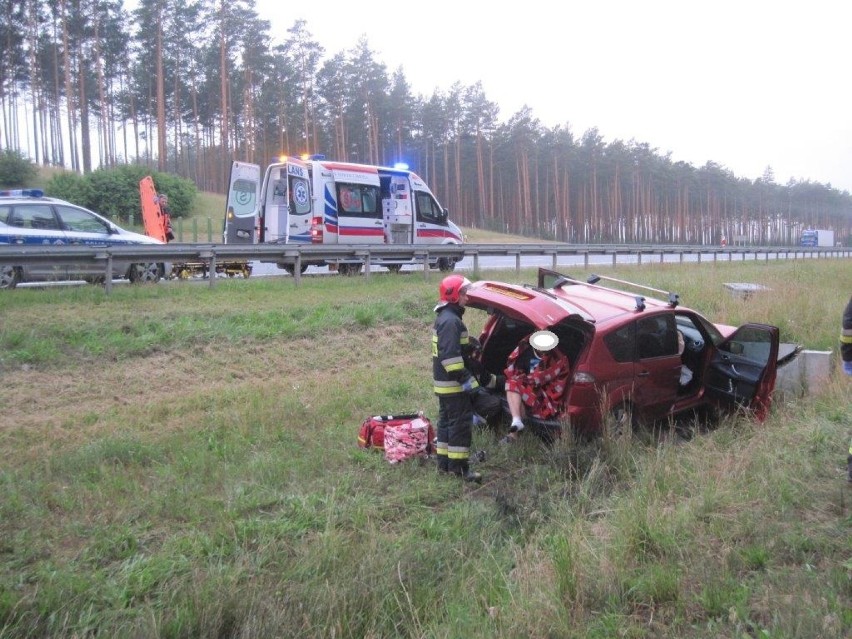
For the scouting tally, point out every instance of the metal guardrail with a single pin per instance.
(371, 254)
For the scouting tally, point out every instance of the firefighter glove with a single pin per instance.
(469, 384)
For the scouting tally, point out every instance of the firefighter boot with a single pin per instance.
(462, 469)
(443, 464)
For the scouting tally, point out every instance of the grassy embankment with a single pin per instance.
(180, 461)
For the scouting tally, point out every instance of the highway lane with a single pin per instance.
(509, 262)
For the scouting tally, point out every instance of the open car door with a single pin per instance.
(741, 372)
(242, 207)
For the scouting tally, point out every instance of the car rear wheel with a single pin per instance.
(9, 276)
(148, 273)
(349, 269)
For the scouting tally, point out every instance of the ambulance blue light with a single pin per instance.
(402, 166)
(317, 156)
(23, 193)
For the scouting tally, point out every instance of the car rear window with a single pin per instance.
(32, 216)
(620, 343)
(656, 336)
(646, 338)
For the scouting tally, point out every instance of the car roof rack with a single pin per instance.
(673, 298)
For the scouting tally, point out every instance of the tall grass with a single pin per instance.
(180, 461)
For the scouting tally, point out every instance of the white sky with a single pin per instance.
(744, 83)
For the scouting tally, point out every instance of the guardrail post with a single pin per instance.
(586, 260)
(367, 265)
(476, 263)
(426, 266)
(517, 263)
(297, 269)
(639, 258)
(107, 270)
(614, 256)
(554, 260)
(212, 269)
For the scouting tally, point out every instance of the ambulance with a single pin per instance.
(314, 201)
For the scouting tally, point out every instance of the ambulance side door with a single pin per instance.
(299, 204)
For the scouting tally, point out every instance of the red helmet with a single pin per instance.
(451, 287)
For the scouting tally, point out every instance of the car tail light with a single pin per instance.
(583, 377)
(316, 230)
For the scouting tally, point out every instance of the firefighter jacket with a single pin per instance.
(449, 340)
(846, 334)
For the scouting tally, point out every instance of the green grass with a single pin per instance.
(180, 461)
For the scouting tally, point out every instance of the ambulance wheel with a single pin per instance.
(148, 273)
(9, 276)
(349, 269)
(446, 265)
(394, 268)
(291, 268)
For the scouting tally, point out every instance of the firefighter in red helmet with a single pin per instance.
(453, 381)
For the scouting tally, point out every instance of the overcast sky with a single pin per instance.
(746, 84)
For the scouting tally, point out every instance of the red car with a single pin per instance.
(624, 352)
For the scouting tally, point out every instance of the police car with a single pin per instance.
(28, 218)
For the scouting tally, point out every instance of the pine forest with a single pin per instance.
(187, 86)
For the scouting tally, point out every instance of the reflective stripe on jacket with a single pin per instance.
(846, 334)
(449, 339)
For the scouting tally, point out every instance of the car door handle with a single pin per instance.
(292, 226)
(378, 223)
(643, 374)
